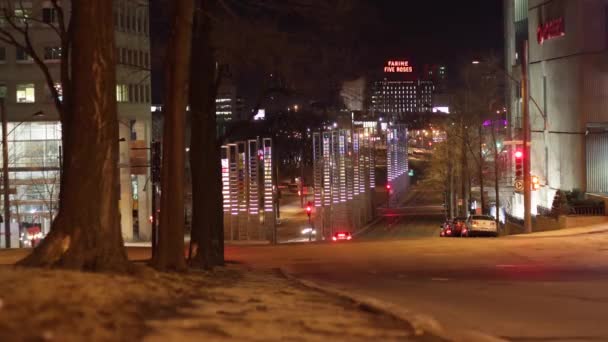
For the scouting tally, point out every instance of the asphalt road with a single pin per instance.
(524, 289)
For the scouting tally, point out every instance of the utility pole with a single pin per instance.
(7, 209)
(526, 141)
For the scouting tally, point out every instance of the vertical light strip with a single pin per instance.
(252, 157)
(268, 198)
(225, 178)
(327, 167)
(234, 200)
(317, 169)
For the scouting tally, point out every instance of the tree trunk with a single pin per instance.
(480, 165)
(496, 176)
(464, 174)
(170, 252)
(207, 210)
(86, 234)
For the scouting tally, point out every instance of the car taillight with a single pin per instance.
(348, 238)
(448, 231)
(334, 238)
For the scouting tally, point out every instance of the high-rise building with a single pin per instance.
(568, 77)
(401, 96)
(228, 106)
(403, 89)
(35, 140)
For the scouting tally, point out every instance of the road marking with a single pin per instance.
(440, 279)
(516, 266)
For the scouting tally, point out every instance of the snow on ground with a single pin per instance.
(229, 304)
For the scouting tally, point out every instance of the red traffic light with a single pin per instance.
(519, 154)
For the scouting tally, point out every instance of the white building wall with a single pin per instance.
(569, 81)
(135, 73)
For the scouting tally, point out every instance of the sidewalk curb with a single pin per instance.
(420, 323)
(546, 235)
(368, 226)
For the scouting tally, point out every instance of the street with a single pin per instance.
(518, 288)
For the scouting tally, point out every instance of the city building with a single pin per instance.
(401, 89)
(228, 106)
(35, 134)
(568, 73)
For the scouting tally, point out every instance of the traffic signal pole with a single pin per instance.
(526, 141)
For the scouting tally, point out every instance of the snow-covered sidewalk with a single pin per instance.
(230, 304)
(591, 229)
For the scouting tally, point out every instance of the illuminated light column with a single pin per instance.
(372, 162)
(371, 150)
(362, 162)
(389, 157)
(355, 164)
(364, 158)
(349, 165)
(335, 167)
(342, 165)
(317, 158)
(269, 209)
(254, 189)
(327, 168)
(243, 189)
(327, 183)
(405, 148)
(226, 188)
(234, 190)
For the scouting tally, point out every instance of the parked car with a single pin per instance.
(446, 230)
(454, 227)
(481, 225)
(459, 225)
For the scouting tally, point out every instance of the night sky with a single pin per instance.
(422, 31)
(438, 31)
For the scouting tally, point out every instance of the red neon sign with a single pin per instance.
(398, 66)
(551, 29)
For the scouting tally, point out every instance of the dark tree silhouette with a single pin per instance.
(86, 233)
(170, 252)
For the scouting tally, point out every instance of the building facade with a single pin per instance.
(568, 73)
(401, 96)
(35, 133)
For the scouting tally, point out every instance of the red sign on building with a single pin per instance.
(550, 29)
(398, 66)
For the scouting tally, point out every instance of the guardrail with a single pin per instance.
(588, 210)
(579, 210)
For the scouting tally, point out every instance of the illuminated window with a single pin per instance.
(59, 89)
(23, 11)
(52, 53)
(3, 91)
(26, 93)
(122, 93)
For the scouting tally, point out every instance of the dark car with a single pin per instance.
(446, 230)
(454, 227)
(459, 226)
